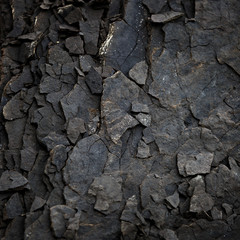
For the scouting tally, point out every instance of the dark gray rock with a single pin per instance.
(115, 105)
(201, 201)
(196, 163)
(144, 119)
(12, 180)
(53, 139)
(86, 62)
(58, 156)
(58, 55)
(60, 214)
(75, 127)
(134, 51)
(28, 157)
(94, 81)
(173, 200)
(139, 73)
(168, 234)
(49, 85)
(13, 207)
(74, 45)
(166, 17)
(90, 31)
(155, 6)
(143, 150)
(138, 107)
(89, 153)
(37, 203)
(107, 190)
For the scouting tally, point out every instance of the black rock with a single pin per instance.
(94, 81)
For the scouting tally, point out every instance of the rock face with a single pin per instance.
(119, 119)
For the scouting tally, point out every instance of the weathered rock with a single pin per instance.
(195, 163)
(168, 234)
(53, 139)
(173, 200)
(107, 190)
(201, 201)
(28, 157)
(118, 121)
(143, 150)
(12, 180)
(216, 214)
(94, 81)
(13, 207)
(37, 203)
(74, 45)
(139, 73)
(75, 127)
(89, 153)
(60, 214)
(155, 6)
(166, 17)
(144, 119)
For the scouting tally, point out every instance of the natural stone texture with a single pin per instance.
(116, 104)
(12, 180)
(195, 163)
(53, 139)
(60, 214)
(75, 127)
(74, 45)
(201, 201)
(94, 81)
(37, 203)
(107, 190)
(138, 107)
(155, 6)
(143, 150)
(13, 207)
(144, 119)
(89, 153)
(139, 73)
(173, 200)
(166, 17)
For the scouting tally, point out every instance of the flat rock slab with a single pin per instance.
(118, 94)
(139, 73)
(166, 17)
(192, 164)
(12, 180)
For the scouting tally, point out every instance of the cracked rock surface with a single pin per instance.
(119, 119)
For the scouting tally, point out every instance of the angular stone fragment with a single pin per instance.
(13, 207)
(155, 6)
(94, 81)
(85, 162)
(74, 45)
(75, 127)
(144, 119)
(112, 50)
(12, 180)
(86, 62)
(53, 139)
(107, 190)
(90, 31)
(60, 214)
(168, 234)
(50, 84)
(166, 82)
(201, 201)
(231, 56)
(196, 163)
(37, 203)
(28, 156)
(138, 107)
(173, 200)
(216, 214)
(118, 94)
(58, 55)
(143, 150)
(139, 73)
(166, 17)
(59, 156)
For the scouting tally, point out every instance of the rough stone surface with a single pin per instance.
(119, 119)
